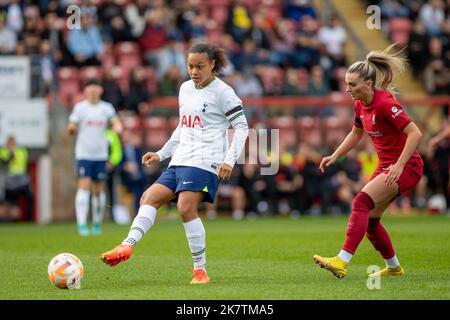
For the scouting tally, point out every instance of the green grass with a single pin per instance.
(269, 258)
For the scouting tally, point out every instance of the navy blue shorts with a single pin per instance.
(180, 178)
(96, 170)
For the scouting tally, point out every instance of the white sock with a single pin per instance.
(82, 206)
(141, 224)
(392, 262)
(196, 236)
(98, 208)
(345, 256)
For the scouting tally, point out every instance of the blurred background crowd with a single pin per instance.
(275, 48)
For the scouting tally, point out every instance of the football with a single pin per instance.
(65, 271)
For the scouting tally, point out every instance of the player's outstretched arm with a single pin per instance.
(348, 144)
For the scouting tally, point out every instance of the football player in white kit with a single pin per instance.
(89, 119)
(201, 156)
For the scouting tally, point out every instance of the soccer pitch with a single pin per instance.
(269, 259)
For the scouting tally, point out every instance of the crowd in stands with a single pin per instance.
(423, 27)
(275, 48)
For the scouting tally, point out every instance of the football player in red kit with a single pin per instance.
(400, 167)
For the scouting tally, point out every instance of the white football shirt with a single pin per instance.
(201, 138)
(92, 121)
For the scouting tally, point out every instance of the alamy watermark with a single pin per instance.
(374, 20)
(74, 19)
(374, 282)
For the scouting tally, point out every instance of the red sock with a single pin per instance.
(380, 239)
(358, 221)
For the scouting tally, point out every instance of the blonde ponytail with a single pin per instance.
(388, 65)
(381, 65)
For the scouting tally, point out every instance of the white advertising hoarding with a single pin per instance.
(27, 120)
(14, 77)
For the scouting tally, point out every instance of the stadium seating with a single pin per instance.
(128, 56)
(131, 123)
(310, 130)
(69, 87)
(287, 129)
(335, 130)
(90, 72)
(156, 132)
(399, 29)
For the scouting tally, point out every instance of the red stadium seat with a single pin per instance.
(131, 123)
(108, 58)
(90, 72)
(155, 139)
(335, 130)
(287, 130)
(273, 78)
(128, 55)
(127, 63)
(152, 83)
(156, 131)
(310, 130)
(156, 123)
(127, 48)
(122, 78)
(399, 29)
(219, 15)
(68, 85)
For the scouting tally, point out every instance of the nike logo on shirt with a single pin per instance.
(187, 182)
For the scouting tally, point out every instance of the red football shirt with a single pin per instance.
(384, 120)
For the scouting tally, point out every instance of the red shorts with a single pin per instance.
(409, 178)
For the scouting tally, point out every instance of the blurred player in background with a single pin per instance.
(200, 156)
(90, 119)
(400, 167)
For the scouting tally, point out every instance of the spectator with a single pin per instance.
(171, 82)
(136, 14)
(292, 86)
(114, 25)
(111, 90)
(46, 64)
(332, 37)
(284, 42)
(297, 9)
(432, 15)
(437, 72)
(260, 32)
(86, 43)
(307, 50)
(393, 8)
(197, 29)
(17, 182)
(134, 177)
(239, 20)
(112, 167)
(53, 32)
(171, 55)
(14, 17)
(318, 86)
(260, 190)
(247, 85)
(154, 38)
(138, 93)
(418, 47)
(287, 182)
(8, 39)
(89, 9)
